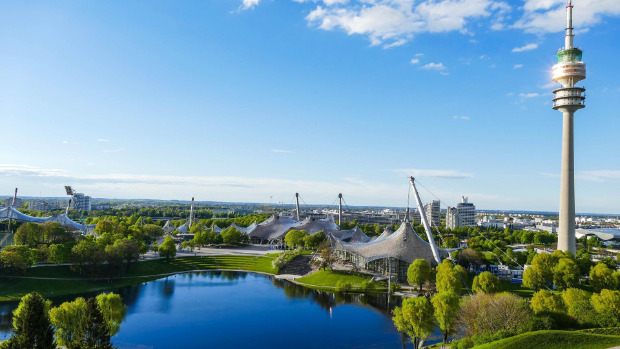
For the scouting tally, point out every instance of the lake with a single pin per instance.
(241, 310)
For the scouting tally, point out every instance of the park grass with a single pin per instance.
(68, 282)
(328, 279)
(554, 340)
(518, 289)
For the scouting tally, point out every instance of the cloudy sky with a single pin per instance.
(254, 100)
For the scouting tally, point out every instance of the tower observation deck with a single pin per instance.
(569, 70)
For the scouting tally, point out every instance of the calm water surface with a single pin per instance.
(243, 310)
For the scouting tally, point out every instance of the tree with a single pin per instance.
(231, 235)
(66, 319)
(167, 249)
(12, 262)
(104, 226)
(545, 301)
(448, 278)
(328, 257)
(31, 324)
(485, 283)
(415, 318)
(470, 257)
(566, 273)
(578, 305)
(54, 233)
(447, 306)
(295, 238)
(93, 332)
(60, 253)
(29, 255)
(418, 273)
(313, 241)
(113, 310)
(129, 249)
(607, 305)
(485, 313)
(152, 232)
(83, 252)
(28, 234)
(601, 277)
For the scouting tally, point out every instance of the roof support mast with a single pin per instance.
(427, 227)
(297, 198)
(191, 214)
(340, 211)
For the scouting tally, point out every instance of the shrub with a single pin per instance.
(464, 343)
(344, 287)
(367, 286)
(285, 257)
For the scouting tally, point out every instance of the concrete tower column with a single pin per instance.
(566, 233)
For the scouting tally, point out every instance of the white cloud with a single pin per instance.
(394, 22)
(434, 66)
(248, 4)
(282, 151)
(419, 54)
(115, 150)
(102, 140)
(429, 173)
(518, 66)
(529, 95)
(462, 117)
(395, 43)
(25, 170)
(414, 61)
(599, 175)
(527, 47)
(545, 16)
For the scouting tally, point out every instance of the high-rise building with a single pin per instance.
(569, 98)
(81, 202)
(433, 213)
(9, 201)
(463, 215)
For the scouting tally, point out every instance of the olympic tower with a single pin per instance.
(569, 70)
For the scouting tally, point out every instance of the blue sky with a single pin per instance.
(254, 100)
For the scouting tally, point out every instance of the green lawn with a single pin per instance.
(12, 289)
(554, 340)
(328, 279)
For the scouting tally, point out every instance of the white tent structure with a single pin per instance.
(12, 213)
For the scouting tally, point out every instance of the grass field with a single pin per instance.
(328, 279)
(12, 289)
(554, 340)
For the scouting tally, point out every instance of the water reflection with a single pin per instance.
(183, 310)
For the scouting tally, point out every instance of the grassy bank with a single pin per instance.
(69, 283)
(554, 340)
(328, 279)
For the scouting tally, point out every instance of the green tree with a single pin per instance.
(418, 273)
(415, 318)
(607, 305)
(447, 306)
(295, 238)
(60, 253)
(448, 278)
(104, 226)
(12, 262)
(167, 249)
(485, 283)
(28, 234)
(602, 277)
(152, 232)
(578, 305)
(66, 319)
(231, 235)
(545, 301)
(93, 332)
(28, 254)
(113, 310)
(566, 274)
(313, 241)
(31, 324)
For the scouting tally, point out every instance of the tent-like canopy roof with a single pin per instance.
(314, 225)
(246, 230)
(275, 227)
(355, 235)
(404, 244)
(62, 219)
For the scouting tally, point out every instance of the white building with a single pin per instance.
(433, 213)
(81, 202)
(463, 215)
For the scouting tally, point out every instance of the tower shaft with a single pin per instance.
(566, 233)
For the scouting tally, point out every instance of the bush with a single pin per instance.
(285, 257)
(367, 286)
(394, 287)
(344, 287)
(464, 343)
